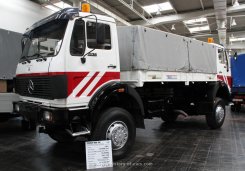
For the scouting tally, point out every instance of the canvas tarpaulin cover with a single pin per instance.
(142, 48)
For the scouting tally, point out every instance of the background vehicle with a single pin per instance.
(238, 81)
(101, 81)
(8, 65)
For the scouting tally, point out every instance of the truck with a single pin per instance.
(9, 59)
(238, 82)
(81, 75)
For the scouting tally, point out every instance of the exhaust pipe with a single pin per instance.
(181, 112)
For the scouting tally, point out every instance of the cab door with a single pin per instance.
(224, 73)
(92, 58)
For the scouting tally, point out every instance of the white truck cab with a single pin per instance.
(68, 48)
(80, 75)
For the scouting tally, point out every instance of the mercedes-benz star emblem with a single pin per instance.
(30, 87)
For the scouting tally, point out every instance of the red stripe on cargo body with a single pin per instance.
(87, 84)
(105, 78)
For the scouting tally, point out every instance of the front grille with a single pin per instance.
(42, 87)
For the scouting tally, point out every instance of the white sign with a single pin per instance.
(98, 154)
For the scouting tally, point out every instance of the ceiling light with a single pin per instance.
(52, 7)
(198, 29)
(197, 25)
(173, 27)
(237, 39)
(236, 3)
(194, 21)
(62, 4)
(158, 7)
(158, 12)
(233, 23)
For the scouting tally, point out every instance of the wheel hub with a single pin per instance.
(117, 132)
(220, 113)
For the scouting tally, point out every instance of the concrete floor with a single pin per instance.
(186, 145)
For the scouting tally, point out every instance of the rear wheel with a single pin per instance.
(117, 125)
(216, 118)
(233, 108)
(236, 107)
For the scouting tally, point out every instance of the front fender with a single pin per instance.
(118, 90)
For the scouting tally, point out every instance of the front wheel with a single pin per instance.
(216, 118)
(117, 125)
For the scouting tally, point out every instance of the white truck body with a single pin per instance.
(10, 52)
(6, 102)
(102, 81)
(200, 52)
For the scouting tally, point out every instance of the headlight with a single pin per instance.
(47, 115)
(16, 107)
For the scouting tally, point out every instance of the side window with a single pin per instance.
(77, 44)
(222, 57)
(103, 40)
(227, 60)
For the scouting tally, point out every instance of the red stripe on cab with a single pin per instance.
(105, 78)
(86, 86)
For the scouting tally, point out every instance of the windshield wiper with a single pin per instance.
(26, 58)
(39, 55)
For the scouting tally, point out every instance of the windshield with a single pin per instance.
(45, 41)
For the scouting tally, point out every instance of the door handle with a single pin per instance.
(112, 66)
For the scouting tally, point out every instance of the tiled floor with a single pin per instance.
(186, 145)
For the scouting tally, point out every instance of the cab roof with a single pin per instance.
(66, 14)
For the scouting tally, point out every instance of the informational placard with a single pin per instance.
(98, 154)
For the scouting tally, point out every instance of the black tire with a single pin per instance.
(233, 108)
(28, 125)
(61, 136)
(236, 107)
(216, 119)
(118, 119)
(169, 117)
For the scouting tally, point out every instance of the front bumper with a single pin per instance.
(32, 111)
(75, 122)
(27, 110)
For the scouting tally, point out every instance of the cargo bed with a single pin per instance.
(151, 55)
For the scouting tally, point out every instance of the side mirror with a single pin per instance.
(100, 33)
(23, 42)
